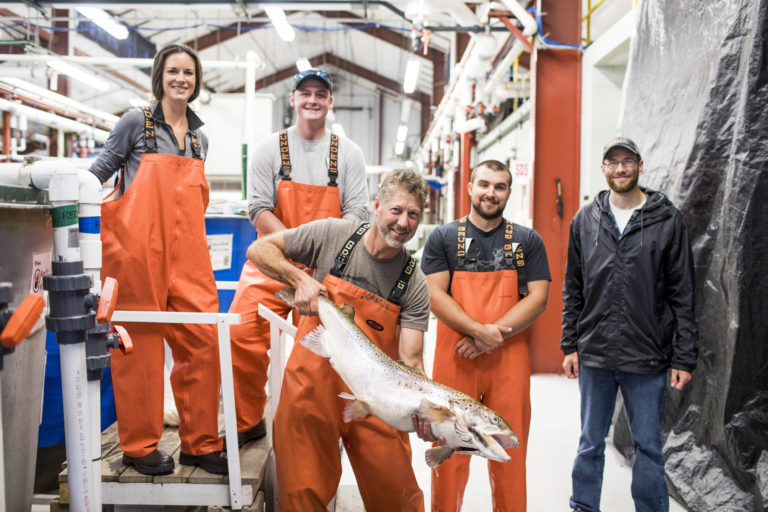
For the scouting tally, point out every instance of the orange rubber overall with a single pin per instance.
(501, 377)
(309, 422)
(154, 244)
(297, 204)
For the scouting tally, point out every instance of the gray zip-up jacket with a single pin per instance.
(125, 145)
(628, 300)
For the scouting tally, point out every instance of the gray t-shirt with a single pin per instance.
(125, 145)
(316, 245)
(309, 165)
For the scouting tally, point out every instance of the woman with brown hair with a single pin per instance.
(154, 244)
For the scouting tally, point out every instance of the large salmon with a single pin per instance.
(392, 391)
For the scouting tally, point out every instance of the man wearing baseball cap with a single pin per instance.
(297, 175)
(627, 319)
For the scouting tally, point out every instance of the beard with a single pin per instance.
(626, 187)
(488, 213)
(385, 234)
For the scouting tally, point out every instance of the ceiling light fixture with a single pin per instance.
(302, 63)
(402, 133)
(78, 74)
(399, 148)
(411, 75)
(105, 21)
(280, 22)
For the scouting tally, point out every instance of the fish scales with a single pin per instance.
(393, 392)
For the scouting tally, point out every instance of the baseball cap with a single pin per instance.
(622, 142)
(317, 74)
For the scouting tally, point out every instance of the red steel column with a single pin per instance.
(6, 135)
(461, 197)
(556, 120)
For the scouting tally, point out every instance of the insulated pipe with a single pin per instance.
(250, 116)
(52, 120)
(126, 62)
(528, 21)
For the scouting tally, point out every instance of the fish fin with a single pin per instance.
(437, 455)
(315, 341)
(286, 295)
(462, 432)
(355, 408)
(348, 310)
(412, 369)
(433, 413)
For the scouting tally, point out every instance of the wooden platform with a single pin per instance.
(120, 480)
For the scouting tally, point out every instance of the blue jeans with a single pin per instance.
(644, 398)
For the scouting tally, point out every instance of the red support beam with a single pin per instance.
(397, 39)
(516, 31)
(60, 45)
(556, 118)
(461, 197)
(222, 34)
(6, 135)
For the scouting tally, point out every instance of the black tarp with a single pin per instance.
(696, 102)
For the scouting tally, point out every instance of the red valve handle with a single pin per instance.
(22, 321)
(107, 301)
(125, 343)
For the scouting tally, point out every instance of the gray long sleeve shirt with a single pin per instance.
(309, 165)
(125, 145)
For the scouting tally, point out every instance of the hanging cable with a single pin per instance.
(535, 12)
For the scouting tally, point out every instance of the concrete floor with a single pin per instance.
(551, 448)
(552, 445)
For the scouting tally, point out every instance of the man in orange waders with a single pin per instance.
(365, 266)
(488, 281)
(298, 175)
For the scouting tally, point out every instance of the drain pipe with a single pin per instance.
(70, 318)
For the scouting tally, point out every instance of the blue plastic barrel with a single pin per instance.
(228, 238)
(52, 427)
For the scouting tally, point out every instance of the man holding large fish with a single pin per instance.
(368, 268)
(488, 281)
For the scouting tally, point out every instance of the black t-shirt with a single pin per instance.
(485, 250)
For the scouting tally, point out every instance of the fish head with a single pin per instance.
(482, 431)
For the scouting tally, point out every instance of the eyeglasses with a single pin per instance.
(627, 163)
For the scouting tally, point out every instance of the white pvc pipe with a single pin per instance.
(94, 414)
(2, 454)
(74, 389)
(529, 22)
(116, 62)
(250, 104)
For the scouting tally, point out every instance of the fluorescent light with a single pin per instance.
(399, 148)
(280, 22)
(338, 129)
(405, 111)
(303, 64)
(411, 76)
(105, 21)
(79, 74)
(402, 132)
